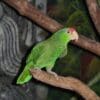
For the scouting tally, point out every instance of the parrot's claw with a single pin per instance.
(53, 73)
(37, 68)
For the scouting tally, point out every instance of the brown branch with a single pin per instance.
(65, 83)
(94, 11)
(26, 9)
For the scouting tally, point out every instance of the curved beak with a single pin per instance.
(76, 36)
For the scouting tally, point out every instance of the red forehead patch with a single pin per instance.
(71, 30)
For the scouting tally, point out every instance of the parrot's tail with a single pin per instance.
(25, 76)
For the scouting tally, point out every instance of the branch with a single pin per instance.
(28, 10)
(65, 83)
(94, 11)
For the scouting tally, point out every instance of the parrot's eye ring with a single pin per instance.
(68, 31)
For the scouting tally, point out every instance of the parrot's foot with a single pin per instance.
(37, 68)
(53, 73)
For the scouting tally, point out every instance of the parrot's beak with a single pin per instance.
(75, 40)
(74, 36)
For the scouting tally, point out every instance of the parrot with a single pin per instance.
(45, 53)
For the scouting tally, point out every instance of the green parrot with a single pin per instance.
(45, 53)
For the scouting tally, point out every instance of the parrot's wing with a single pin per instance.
(64, 53)
(47, 58)
(36, 52)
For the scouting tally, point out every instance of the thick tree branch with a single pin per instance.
(65, 83)
(94, 12)
(26, 9)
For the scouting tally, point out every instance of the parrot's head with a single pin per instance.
(73, 33)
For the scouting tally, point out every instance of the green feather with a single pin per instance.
(25, 76)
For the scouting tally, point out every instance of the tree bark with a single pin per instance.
(94, 11)
(65, 83)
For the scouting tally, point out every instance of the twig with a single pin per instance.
(94, 12)
(69, 83)
(28, 10)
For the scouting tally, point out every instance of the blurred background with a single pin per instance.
(18, 35)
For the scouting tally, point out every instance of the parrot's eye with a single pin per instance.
(68, 31)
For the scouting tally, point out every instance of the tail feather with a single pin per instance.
(25, 76)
